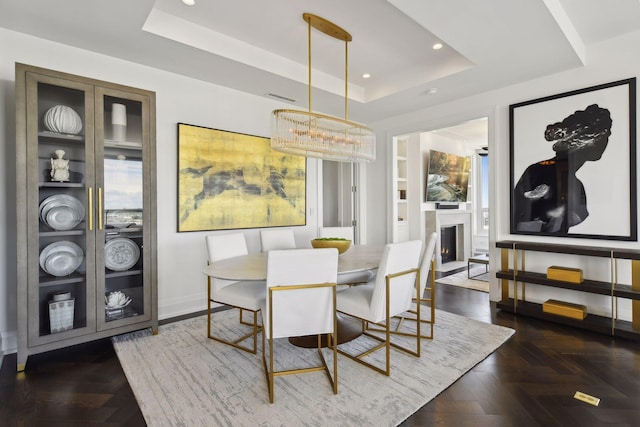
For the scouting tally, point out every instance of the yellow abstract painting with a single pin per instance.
(229, 180)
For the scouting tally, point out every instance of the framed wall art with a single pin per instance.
(447, 177)
(573, 163)
(229, 180)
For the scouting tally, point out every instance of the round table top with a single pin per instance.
(254, 266)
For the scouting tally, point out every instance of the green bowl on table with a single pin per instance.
(332, 242)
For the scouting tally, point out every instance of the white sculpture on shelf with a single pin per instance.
(59, 167)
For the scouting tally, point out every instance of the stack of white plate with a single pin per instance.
(61, 212)
(61, 258)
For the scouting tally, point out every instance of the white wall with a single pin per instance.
(181, 256)
(612, 60)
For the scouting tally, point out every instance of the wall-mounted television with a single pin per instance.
(447, 177)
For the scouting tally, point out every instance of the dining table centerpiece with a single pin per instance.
(341, 244)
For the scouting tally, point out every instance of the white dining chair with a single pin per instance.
(390, 294)
(427, 265)
(282, 238)
(300, 301)
(243, 295)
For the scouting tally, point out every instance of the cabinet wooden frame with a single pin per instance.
(89, 147)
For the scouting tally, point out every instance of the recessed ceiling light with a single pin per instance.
(437, 46)
(366, 75)
(432, 91)
(189, 2)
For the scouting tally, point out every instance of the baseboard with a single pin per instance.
(182, 306)
(8, 342)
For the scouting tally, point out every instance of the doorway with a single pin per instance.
(465, 142)
(339, 198)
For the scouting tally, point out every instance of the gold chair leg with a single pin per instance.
(255, 329)
(386, 341)
(332, 338)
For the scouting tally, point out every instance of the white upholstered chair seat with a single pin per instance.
(246, 294)
(356, 278)
(355, 301)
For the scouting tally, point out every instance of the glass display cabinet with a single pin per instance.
(86, 221)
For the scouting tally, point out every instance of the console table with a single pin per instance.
(516, 302)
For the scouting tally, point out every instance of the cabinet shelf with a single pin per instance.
(48, 280)
(55, 233)
(112, 274)
(60, 136)
(601, 324)
(589, 286)
(126, 145)
(53, 184)
(592, 322)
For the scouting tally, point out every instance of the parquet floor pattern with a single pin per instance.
(529, 381)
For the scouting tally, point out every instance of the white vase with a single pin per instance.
(119, 122)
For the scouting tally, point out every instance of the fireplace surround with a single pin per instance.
(460, 219)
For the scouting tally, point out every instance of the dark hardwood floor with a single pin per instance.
(529, 381)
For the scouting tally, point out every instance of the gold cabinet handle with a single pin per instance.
(99, 208)
(90, 203)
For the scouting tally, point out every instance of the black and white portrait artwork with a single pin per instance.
(573, 164)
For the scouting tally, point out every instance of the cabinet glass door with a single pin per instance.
(60, 147)
(122, 204)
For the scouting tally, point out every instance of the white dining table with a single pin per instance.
(253, 266)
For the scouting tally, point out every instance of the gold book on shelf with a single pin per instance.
(564, 274)
(566, 309)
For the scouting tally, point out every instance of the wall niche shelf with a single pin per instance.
(515, 301)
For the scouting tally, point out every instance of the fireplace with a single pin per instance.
(460, 220)
(448, 251)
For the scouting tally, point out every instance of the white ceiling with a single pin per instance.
(260, 46)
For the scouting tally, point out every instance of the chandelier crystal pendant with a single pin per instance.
(309, 134)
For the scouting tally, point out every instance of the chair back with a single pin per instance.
(341, 232)
(223, 246)
(277, 239)
(300, 311)
(396, 258)
(425, 264)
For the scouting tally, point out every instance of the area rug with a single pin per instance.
(478, 282)
(182, 378)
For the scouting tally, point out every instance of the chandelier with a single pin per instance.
(309, 134)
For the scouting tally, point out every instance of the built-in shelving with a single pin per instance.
(400, 192)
